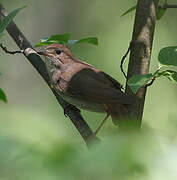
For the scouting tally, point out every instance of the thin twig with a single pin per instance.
(123, 59)
(10, 52)
(154, 76)
(152, 81)
(168, 6)
(16, 52)
(102, 123)
(122, 62)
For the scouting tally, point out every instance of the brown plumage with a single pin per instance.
(85, 86)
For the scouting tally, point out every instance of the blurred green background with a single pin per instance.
(38, 142)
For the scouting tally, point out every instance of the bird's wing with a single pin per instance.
(116, 84)
(103, 75)
(94, 86)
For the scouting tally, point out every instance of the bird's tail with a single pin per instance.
(118, 112)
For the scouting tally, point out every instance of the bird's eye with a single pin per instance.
(58, 51)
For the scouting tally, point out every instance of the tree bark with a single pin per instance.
(141, 48)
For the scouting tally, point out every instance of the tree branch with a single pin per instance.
(74, 115)
(168, 6)
(140, 54)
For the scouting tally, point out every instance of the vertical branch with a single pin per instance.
(140, 54)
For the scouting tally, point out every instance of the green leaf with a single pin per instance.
(129, 10)
(169, 74)
(57, 38)
(137, 81)
(44, 43)
(168, 56)
(90, 40)
(3, 96)
(4, 23)
(72, 42)
(44, 39)
(160, 12)
(60, 37)
(48, 42)
(64, 39)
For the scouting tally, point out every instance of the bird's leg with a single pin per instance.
(104, 120)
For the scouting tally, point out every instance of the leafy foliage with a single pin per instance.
(3, 96)
(169, 74)
(90, 40)
(118, 157)
(129, 10)
(137, 81)
(160, 12)
(57, 38)
(5, 22)
(168, 56)
(65, 39)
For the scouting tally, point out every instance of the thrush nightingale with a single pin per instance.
(85, 86)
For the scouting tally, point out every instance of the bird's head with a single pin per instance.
(58, 54)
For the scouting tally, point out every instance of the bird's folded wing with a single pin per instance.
(96, 87)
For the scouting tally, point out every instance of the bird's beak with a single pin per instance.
(42, 53)
(50, 57)
(47, 53)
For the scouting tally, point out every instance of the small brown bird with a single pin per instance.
(85, 86)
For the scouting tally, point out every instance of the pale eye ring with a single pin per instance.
(58, 51)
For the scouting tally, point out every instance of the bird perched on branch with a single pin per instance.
(85, 86)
